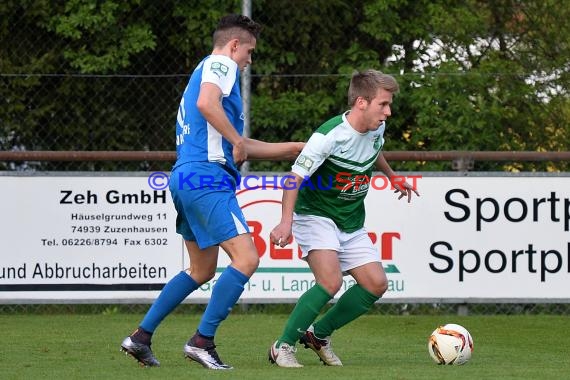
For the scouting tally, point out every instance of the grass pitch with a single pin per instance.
(373, 347)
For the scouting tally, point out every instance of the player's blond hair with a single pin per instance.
(366, 84)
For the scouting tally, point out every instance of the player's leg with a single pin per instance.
(360, 259)
(317, 238)
(326, 269)
(226, 226)
(325, 266)
(357, 300)
(230, 284)
(202, 269)
(225, 294)
(174, 292)
(178, 288)
(371, 277)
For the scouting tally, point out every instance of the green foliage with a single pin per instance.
(102, 36)
(474, 75)
(193, 24)
(292, 116)
(477, 88)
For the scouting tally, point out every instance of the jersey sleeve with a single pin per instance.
(315, 152)
(221, 71)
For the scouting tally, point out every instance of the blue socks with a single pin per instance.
(225, 294)
(173, 293)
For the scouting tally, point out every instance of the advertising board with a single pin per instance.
(112, 238)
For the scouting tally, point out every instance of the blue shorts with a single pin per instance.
(205, 200)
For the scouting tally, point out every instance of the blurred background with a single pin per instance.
(90, 75)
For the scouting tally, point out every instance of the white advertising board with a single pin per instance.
(112, 238)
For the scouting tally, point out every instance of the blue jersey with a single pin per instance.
(196, 139)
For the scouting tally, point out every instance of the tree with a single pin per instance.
(108, 75)
(486, 75)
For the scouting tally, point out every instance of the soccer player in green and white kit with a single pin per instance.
(326, 215)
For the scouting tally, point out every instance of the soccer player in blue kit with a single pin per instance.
(210, 147)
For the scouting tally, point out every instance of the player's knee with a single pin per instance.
(247, 264)
(253, 263)
(201, 276)
(331, 285)
(379, 287)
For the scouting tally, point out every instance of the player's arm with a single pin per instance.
(281, 234)
(209, 104)
(311, 157)
(261, 150)
(399, 182)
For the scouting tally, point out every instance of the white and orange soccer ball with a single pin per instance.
(450, 344)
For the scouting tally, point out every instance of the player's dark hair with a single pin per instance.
(232, 26)
(366, 84)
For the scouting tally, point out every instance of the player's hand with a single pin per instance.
(239, 152)
(281, 235)
(299, 146)
(405, 190)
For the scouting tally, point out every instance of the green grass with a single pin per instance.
(373, 347)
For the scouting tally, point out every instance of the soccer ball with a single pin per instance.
(450, 344)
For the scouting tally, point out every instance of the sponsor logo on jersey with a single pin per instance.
(219, 69)
(377, 143)
(304, 162)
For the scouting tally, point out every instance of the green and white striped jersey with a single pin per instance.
(337, 163)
